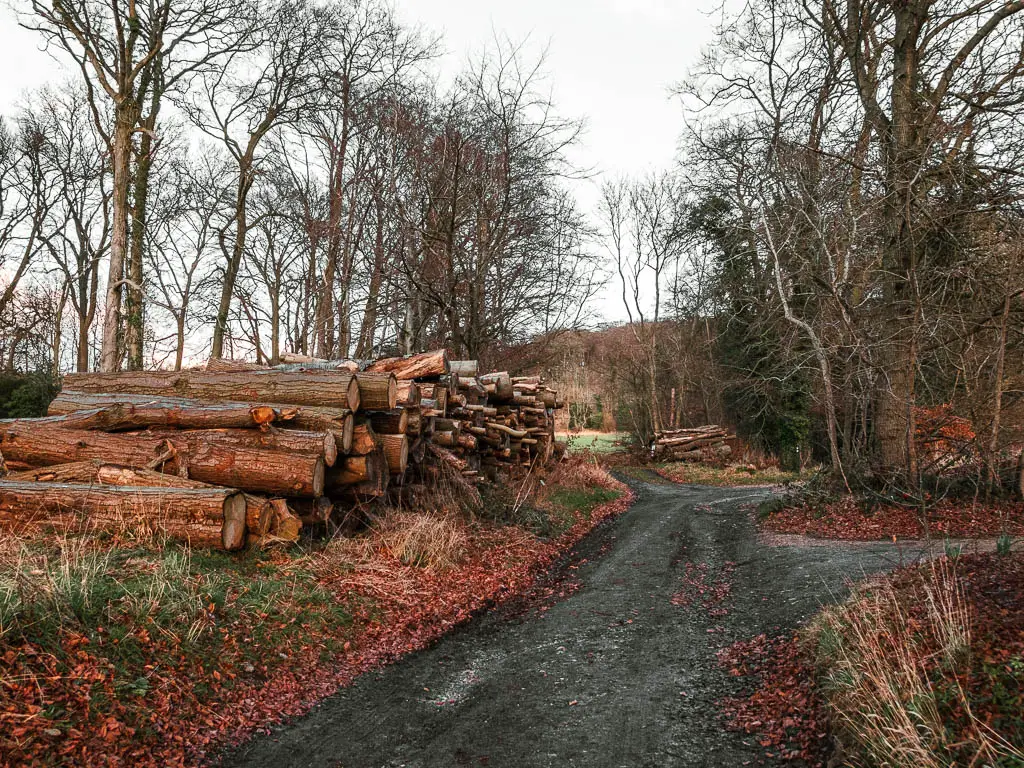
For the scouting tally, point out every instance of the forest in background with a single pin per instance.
(838, 255)
(832, 265)
(240, 179)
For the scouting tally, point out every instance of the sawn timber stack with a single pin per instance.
(242, 454)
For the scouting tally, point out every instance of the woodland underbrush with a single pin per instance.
(731, 474)
(921, 668)
(885, 511)
(119, 651)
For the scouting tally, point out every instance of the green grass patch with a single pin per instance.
(562, 507)
(122, 600)
(604, 442)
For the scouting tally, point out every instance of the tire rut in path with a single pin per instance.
(616, 674)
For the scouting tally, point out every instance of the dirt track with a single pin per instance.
(613, 675)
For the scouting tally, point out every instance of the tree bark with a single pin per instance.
(141, 411)
(316, 388)
(126, 116)
(423, 366)
(211, 517)
(202, 455)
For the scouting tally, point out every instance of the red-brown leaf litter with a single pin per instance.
(849, 520)
(191, 707)
(789, 716)
(782, 710)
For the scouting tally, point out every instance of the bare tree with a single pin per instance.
(127, 53)
(242, 102)
(77, 233)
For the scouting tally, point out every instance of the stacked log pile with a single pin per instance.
(692, 444)
(239, 454)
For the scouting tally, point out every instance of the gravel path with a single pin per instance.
(616, 674)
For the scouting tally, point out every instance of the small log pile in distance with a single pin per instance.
(692, 444)
(239, 454)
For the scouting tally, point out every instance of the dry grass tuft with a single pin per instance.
(419, 539)
(582, 473)
(423, 540)
(877, 662)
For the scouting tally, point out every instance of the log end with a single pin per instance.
(347, 433)
(353, 395)
(318, 477)
(330, 449)
(392, 392)
(233, 530)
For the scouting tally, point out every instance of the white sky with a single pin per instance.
(611, 62)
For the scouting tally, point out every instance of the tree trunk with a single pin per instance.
(997, 404)
(126, 115)
(211, 517)
(135, 304)
(227, 289)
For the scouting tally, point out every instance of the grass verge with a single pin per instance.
(112, 653)
(921, 668)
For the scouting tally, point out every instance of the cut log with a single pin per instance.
(518, 434)
(447, 425)
(292, 440)
(227, 365)
(284, 526)
(396, 453)
(127, 411)
(320, 388)
(415, 421)
(294, 358)
(377, 391)
(312, 511)
(201, 455)
(445, 439)
(465, 368)
(408, 393)
(257, 508)
(394, 422)
(111, 413)
(423, 366)
(434, 396)
(208, 517)
(364, 439)
(353, 470)
(502, 383)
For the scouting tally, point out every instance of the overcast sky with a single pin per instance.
(611, 62)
